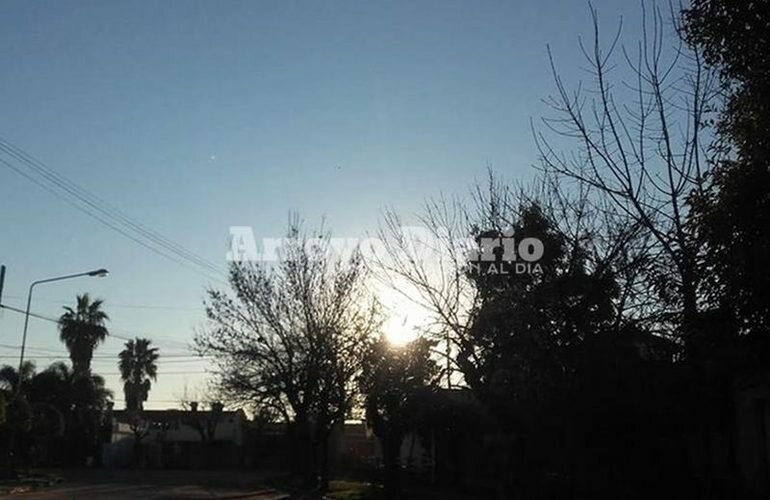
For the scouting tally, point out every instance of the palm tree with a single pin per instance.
(9, 377)
(82, 329)
(58, 385)
(138, 366)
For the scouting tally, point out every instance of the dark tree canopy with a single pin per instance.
(56, 409)
(288, 338)
(526, 328)
(82, 329)
(138, 369)
(395, 381)
(732, 217)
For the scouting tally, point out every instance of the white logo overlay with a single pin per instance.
(499, 253)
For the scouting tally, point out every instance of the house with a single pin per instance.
(180, 439)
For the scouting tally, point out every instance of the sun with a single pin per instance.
(405, 319)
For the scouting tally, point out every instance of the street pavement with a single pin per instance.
(155, 485)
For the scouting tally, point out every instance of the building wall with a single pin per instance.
(179, 445)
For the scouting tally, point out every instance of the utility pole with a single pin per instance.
(2, 282)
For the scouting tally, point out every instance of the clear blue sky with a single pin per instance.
(196, 116)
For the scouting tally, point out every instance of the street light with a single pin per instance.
(98, 273)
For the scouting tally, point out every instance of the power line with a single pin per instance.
(160, 372)
(102, 355)
(167, 359)
(95, 207)
(97, 217)
(113, 304)
(100, 205)
(32, 314)
(57, 353)
(121, 400)
(112, 329)
(162, 359)
(16, 347)
(49, 319)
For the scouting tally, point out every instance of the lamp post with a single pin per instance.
(100, 273)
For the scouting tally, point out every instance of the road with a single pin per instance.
(135, 485)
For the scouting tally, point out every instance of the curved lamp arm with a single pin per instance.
(96, 273)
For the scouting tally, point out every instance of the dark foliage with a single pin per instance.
(395, 382)
(731, 218)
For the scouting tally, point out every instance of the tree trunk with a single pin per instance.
(137, 450)
(302, 451)
(391, 456)
(324, 465)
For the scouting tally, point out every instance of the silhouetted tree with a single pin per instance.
(732, 214)
(517, 338)
(138, 369)
(140, 428)
(53, 397)
(9, 377)
(206, 426)
(65, 411)
(82, 401)
(82, 329)
(640, 145)
(3, 409)
(14, 435)
(394, 381)
(526, 328)
(290, 336)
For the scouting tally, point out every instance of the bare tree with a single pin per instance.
(639, 144)
(205, 425)
(289, 337)
(427, 267)
(432, 267)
